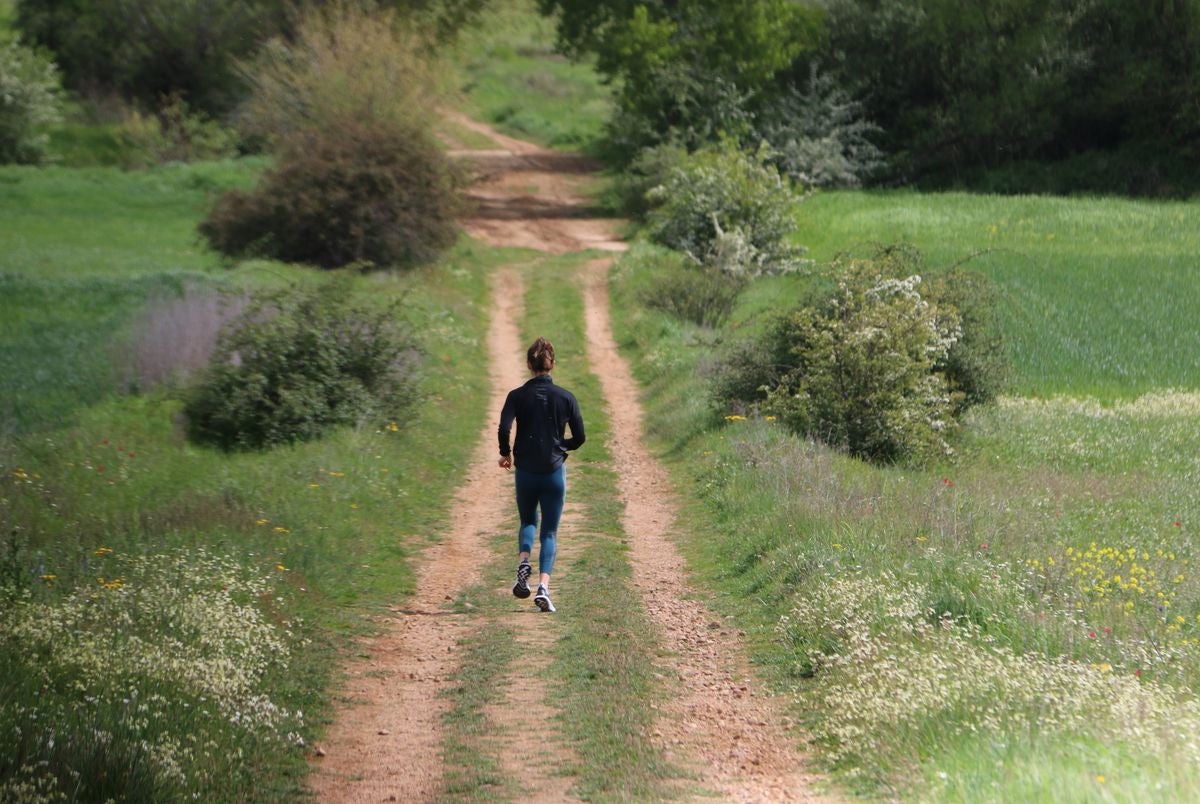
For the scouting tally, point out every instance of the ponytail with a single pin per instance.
(541, 356)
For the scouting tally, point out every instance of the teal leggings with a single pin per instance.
(549, 492)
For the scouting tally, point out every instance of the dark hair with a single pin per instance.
(541, 355)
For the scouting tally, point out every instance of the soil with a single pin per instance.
(385, 742)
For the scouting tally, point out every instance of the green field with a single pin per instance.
(1020, 623)
(104, 507)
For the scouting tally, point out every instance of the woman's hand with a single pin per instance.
(506, 462)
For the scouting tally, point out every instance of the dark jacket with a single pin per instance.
(542, 411)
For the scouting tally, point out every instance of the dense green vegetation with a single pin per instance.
(1046, 577)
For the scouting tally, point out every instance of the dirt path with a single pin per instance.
(720, 725)
(385, 744)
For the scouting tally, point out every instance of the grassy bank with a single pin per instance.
(1021, 623)
(174, 614)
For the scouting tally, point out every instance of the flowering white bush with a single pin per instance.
(163, 654)
(891, 671)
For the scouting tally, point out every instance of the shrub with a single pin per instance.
(174, 134)
(299, 362)
(359, 174)
(977, 367)
(725, 208)
(819, 137)
(863, 367)
(649, 169)
(344, 65)
(30, 99)
(358, 194)
(703, 296)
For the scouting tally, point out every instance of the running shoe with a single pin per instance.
(542, 599)
(521, 587)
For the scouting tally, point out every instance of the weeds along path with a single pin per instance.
(386, 741)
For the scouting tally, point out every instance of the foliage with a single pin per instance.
(818, 135)
(863, 367)
(299, 362)
(728, 210)
(704, 296)
(349, 105)
(352, 195)
(957, 87)
(684, 71)
(174, 134)
(145, 49)
(343, 65)
(30, 99)
(977, 367)
(651, 168)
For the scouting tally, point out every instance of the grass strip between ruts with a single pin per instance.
(603, 669)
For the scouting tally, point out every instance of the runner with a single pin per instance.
(542, 411)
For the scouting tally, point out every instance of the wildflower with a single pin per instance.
(837, 546)
(733, 417)
(354, 505)
(49, 577)
(947, 481)
(922, 538)
(314, 485)
(102, 551)
(281, 568)
(392, 427)
(280, 529)
(1100, 779)
(337, 474)
(1178, 524)
(1091, 634)
(770, 418)
(261, 521)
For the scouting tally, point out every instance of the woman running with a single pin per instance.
(542, 411)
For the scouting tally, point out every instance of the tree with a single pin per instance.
(688, 70)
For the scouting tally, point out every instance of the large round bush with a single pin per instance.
(362, 193)
(298, 363)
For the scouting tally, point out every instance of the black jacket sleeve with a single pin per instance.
(576, 422)
(504, 431)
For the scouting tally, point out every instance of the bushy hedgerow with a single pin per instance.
(30, 99)
(726, 209)
(299, 362)
(358, 194)
(881, 367)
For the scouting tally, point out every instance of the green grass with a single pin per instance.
(84, 466)
(513, 78)
(1025, 539)
(1099, 293)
